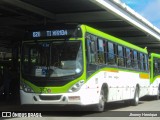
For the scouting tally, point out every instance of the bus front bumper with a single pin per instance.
(63, 99)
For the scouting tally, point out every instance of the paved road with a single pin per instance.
(118, 111)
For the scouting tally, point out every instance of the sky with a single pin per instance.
(149, 9)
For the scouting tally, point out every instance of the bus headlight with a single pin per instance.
(76, 86)
(25, 87)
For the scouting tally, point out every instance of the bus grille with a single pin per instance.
(46, 97)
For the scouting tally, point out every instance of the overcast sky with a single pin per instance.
(149, 9)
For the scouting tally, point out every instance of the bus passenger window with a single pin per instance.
(135, 60)
(141, 62)
(92, 52)
(101, 59)
(128, 58)
(158, 60)
(155, 67)
(146, 62)
(120, 58)
(111, 54)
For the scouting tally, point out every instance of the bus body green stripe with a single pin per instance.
(116, 69)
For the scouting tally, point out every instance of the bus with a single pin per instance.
(82, 66)
(154, 75)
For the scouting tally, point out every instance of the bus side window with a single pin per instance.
(141, 62)
(128, 58)
(158, 66)
(155, 67)
(91, 48)
(146, 62)
(111, 54)
(120, 57)
(135, 60)
(138, 56)
(101, 51)
(105, 51)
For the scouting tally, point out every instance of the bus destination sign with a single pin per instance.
(49, 33)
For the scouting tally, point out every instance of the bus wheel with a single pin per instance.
(135, 101)
(158, 93)
(100, 107)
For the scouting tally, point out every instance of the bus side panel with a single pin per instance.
(153, 90)
(121, 84)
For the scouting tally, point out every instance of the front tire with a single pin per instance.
(158, 93)
(100, 107)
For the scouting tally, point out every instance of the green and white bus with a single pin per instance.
(88, 67)
(154, 75)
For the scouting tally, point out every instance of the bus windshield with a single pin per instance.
(52, 59)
